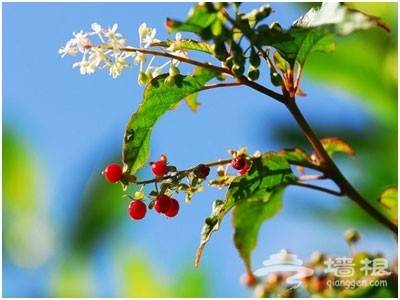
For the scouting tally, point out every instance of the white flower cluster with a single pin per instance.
(106, 55)
(112, 53)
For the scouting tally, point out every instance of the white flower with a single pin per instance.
(96, 28)
(149, 38)
(81, 41)
(116, 68)
(84, 67)
(175, 46)
(69, 48)
(77, 44)
(139, 58)
(146, 35)
(144, 30)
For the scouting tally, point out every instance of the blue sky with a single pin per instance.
(73, 120)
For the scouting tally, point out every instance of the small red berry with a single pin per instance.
(137, 209)
(238, 163)
(173, 208)
(159, 168)
(163, 158)
(244, 170)
(162, 204)
(113, 173)
(201, 171)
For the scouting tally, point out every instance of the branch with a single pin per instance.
(242, 80)
(332, 171)
(262, 89)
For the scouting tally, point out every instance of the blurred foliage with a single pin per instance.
(141, 279)
(28, 236)
(99, 210)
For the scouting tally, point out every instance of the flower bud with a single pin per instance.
(170, 80)
(139, 195)
(142, 78)
(237, 70)
(173, 70)
(352, 236)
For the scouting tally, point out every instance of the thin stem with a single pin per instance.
(318, 188)
(260, 88)
(332, 171)
(219, 85)
(187, 171)
(311, 177)
(180, 58)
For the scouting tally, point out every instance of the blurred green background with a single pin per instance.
(66, 232)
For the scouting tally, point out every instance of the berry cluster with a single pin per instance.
(169, 181)
(162, 203)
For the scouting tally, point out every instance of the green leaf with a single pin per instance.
(265, 182)
(158, 98)
(267, 172)
(334, 144)
(388, 200)
(302, 43)
(247, 218)
(211, 225)
(296, 156)
(199, 19)
(338, 19)
(280, 63)
(315, 31)
(202, 75)
(187, 45)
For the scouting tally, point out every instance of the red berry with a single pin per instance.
(244, 170)
(163, 158)
(238, 163)
(113, 173)
(162, 203)
(201, 171)
(173, 208)
(159, 168)
(137, 209)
